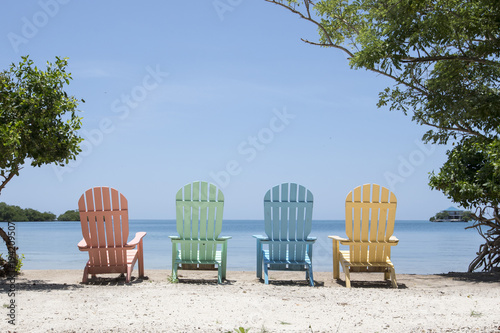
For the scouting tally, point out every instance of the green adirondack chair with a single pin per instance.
(199, 208)
(287, 221)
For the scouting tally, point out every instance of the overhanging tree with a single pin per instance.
(443, 56)
(38, 125)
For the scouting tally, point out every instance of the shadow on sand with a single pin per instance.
(41, 285)
(473, 277)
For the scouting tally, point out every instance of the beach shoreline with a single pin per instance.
(57, 301)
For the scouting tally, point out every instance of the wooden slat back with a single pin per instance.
(199, 209)
(370, 216)
(104, 221)
(287, 216)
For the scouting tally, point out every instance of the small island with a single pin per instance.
(12, 213)
(452, 214)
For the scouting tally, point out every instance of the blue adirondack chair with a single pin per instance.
(287, 220)
(199, 208)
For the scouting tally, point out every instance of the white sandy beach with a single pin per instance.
(56, 301)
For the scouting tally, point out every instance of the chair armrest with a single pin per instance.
(174, 237)
(350, 243)
(137, 239)
(344, 241)
(339, 239)
(393, 239)
(224, 238)
(260, 237)
(82, 245)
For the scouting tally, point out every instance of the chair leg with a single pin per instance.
(174, 264)
(393, 278)
(224, 261)
(266, 278)
(347, 274)
(336, 273)
(85, 278)
(174, 271)
(223, 272)
(259, 259)
(129, 273)
(219, 274)
(311, 278)
(141, 259)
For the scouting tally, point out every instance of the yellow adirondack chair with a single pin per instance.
(369, 223)
(104, 219)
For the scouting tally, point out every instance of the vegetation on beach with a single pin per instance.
(38, 124)
(17, 268)
(443, 57)
(171, 279)
(241, 330)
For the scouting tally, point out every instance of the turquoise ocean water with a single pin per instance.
(424, 247)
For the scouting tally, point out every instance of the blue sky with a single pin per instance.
(223, 91)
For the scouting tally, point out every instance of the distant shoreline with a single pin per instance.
(35, 221)
(173, 219)
(452, 221)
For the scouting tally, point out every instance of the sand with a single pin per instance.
(56, 301)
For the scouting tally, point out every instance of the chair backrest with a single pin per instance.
(199, 208)
(104, 220)
(370, 212)
(287, 216)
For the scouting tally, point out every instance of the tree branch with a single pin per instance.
(342, 48)
(349, 53)
(450, 57)
(455, 129)
(6, 180)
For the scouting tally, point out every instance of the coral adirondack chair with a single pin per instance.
(199, 208)
(370, 214)
(287, 221)
(104, 219)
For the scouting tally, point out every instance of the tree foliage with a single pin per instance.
(38, 120)
(441, 216)
(70, 215)
(467, 216)
(471, 176)
(10, 213)
(443, 57)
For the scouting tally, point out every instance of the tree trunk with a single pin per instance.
(8, 264)
(488, 256)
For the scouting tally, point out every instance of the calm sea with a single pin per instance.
(424, 247)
